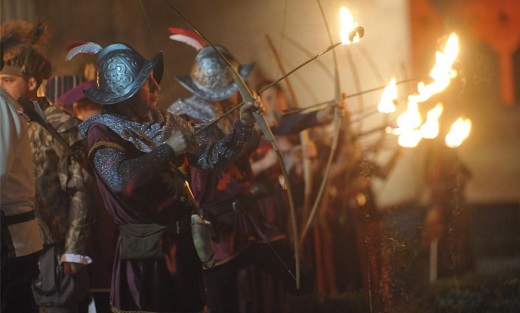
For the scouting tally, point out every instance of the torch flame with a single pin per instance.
(348, 26)
(388, 98)
(458, 133)
(441, 73)
(409, 138)
(408, 122)
(430, 129)
(411, 118)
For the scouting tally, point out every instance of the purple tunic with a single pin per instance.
(224, 197)
(137, 188)
(171, 284)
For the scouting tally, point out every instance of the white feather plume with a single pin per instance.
(89, 47)
(187, 40)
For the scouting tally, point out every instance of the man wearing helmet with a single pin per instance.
(139, 155)
(226, 199)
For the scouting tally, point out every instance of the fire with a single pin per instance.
(409, 138)
(411, 118)
(408, 122)
(348, 32)
(388, 98)
(441, 73)
(430, 129)
(458, 133)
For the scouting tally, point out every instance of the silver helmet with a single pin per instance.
(121, 73)
(210, 79)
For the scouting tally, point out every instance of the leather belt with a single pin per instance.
(18, 218)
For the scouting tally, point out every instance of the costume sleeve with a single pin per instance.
(295, 123)
(219, 154)
(6, 128)
(77, 182)
(113, 164)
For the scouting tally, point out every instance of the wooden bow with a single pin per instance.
(248, 97)
(304, 135)
(335, 136)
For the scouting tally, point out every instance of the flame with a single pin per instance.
(430, 129)
(408, 122)
(409, 138)
(411, 118)
(441, 73)
(388, 98)
(458, 133)
(347, 27)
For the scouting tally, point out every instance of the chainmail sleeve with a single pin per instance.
(112, 162)
(218, 153)
(123, 174)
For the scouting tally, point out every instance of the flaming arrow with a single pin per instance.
(351, 38)
(266, 130)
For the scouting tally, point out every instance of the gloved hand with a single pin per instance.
(183, 142)
(246, 111)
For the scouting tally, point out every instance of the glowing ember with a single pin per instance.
(348, 32)
(441, 73)
(458, 133)
(388, 98)
(430, 129)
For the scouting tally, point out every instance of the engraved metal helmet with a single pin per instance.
(210, 79)
(121, 73)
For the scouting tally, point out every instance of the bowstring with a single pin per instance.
(170, 82)
(154, 41)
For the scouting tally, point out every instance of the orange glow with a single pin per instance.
(411, 118)
(409, 138)
(347, 26)
(409, 122)
(430, 129)
(441, 73)
(458, 133)
(388, 98)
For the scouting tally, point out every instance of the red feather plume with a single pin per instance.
(188, 37)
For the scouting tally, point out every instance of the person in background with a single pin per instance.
(448, 220)
(62, 197)
(82, 107)
(241, 239)
(286, 127)
(20, 233)
(56, 86)
(103, 238)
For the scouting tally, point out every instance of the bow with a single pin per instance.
(247, 96)
(352, 95)
(304, 135)
(335, 136)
